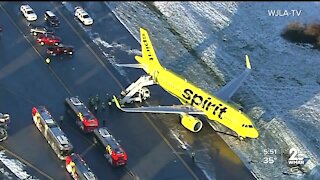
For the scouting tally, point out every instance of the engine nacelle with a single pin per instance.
(191, 123)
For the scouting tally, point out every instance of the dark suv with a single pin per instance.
(35, 30)
(51, 19)
(60, 49)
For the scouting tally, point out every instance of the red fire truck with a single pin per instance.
(113, 150)
(52, 132)
(78, 168)
(84, 118)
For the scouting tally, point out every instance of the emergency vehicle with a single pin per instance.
(83, 116)
(52, 132)
(115, 154)
(78, 168)
(83, 16)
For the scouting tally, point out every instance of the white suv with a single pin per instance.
(28, 13)
(83, 16)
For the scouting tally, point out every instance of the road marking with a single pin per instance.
(90, 49)
(26, 162)
(23, 97)
(87, 150)
(122, 87)
(55, 75)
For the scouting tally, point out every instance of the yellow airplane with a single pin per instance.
(194, 100)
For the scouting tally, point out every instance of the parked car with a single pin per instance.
(83, 16)
(60, 49)
(35, 30)
(48, 39)
(28, 12)
(51, 19)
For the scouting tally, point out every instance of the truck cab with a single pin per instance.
(86, 121)
(78, 168)
(114, 152)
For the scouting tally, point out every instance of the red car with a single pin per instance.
(48, 39)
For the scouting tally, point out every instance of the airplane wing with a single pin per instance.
(227, 91)
(179, 109)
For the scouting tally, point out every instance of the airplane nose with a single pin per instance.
(254, 133)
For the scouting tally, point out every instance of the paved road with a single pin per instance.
(26, 81)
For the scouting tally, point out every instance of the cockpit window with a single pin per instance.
(247, 126)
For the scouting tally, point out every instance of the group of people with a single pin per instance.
(94, 103)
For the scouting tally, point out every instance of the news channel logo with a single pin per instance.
(296, 157)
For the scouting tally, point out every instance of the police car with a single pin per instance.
(82, 115)
(28, 12)
(83, 16)
(78, 168)
(52, 132)
(114, 153)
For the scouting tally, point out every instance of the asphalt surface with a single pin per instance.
(27, 81)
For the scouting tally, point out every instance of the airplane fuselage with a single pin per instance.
(214, 108)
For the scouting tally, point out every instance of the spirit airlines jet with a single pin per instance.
(194, 100)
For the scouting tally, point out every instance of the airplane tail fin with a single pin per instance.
(149, 57)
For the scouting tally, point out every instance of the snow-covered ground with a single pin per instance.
(206, 43)
(16, 167)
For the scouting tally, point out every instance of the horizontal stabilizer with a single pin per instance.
(226, 92)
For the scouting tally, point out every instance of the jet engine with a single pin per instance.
(191, 123)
